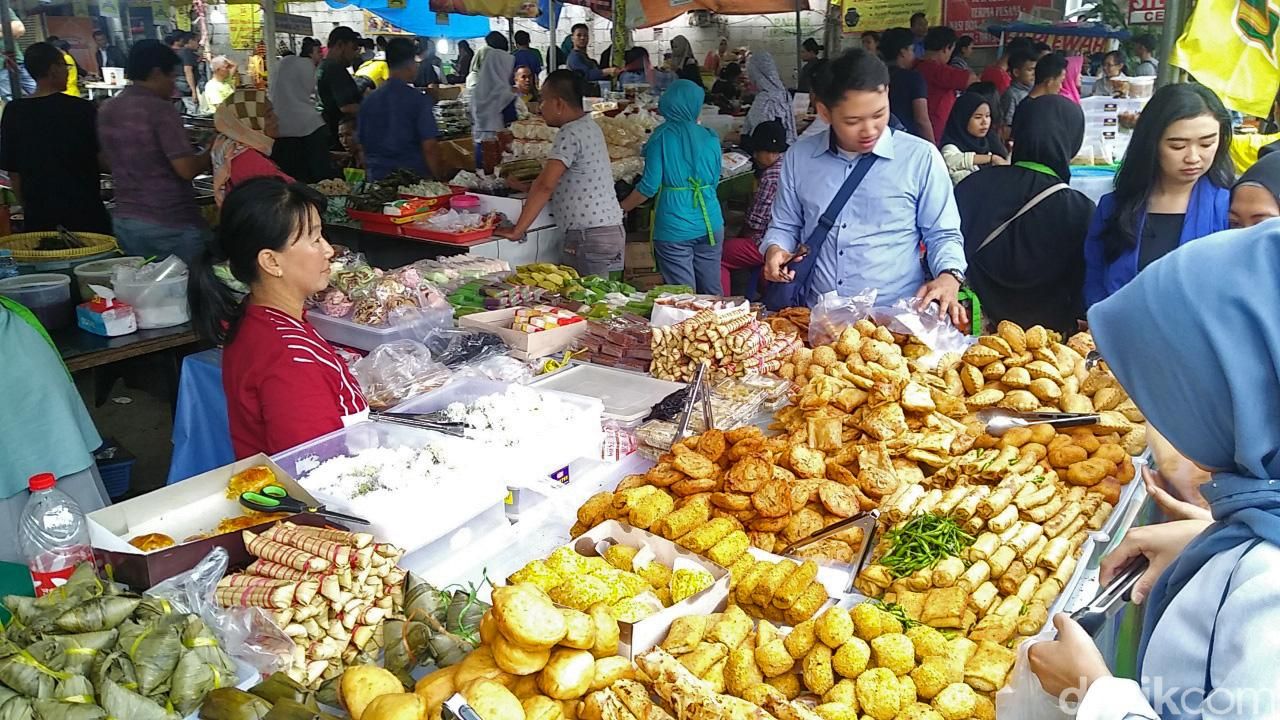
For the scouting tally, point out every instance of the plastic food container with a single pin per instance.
(48, 296)
(465, 202)
(98, 272)
(627, 396)
(158, 304)
(410, 518)
(533, 459)
(342, 331)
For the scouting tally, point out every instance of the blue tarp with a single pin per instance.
(418, 19)
(1080, 30)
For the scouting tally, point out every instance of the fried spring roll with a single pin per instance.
(950, 499)
(928, 502)
(1099, 516)
(1054, 526)
(984, 546)
(983, 597)
(947, 571)
(1034, 494)
(1065, 570)
(1047, 591)
(976, 574)
(904, 506)
(1001, 559)
(1027, 588)
(1012, 578)
(1033, 619)
(1010, 607)
(1004, 519)
(968, 507)
(1028, 535)
(996, 502)
(1032, 555)
(1043, 512)
(1055, 553)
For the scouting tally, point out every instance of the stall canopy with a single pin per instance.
(415, 17)
(640, 13)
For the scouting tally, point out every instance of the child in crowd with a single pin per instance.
(768, 143)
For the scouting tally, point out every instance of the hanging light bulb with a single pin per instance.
(442, 46)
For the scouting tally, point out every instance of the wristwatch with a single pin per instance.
(959, 276)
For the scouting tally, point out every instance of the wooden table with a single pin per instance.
(150, 354)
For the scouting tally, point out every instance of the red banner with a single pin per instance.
(972, 17)
(1066, 43)
(1146, 12)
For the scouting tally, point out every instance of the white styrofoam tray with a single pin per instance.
(627, 396)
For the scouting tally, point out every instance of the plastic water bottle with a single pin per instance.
(8, 268)
(53, 534)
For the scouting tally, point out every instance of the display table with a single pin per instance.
(102, 88)
(201, 433)
(386, 250)
(1094, 182)
(111, 357)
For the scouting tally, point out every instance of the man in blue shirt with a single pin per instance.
(904, 201)
(919, 27)
(580, 61)
(526, 56)
(397, 128)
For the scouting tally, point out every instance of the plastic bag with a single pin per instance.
(246, 633)
(834, 312)
(398, 370)
(1022, 697)
(455, 347)
(908, 317)
(502, 368)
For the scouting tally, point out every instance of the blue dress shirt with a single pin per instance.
(394, 121)
(580, 63)
(906, 199)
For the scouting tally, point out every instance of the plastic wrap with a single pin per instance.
(455, 347)
(927, 325)
(502, 368)
(834, 312)
(398, 370)
(1022, 697)
(246, 633)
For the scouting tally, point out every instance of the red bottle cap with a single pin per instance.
(43, 481)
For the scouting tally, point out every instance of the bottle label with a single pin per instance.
(46, 582)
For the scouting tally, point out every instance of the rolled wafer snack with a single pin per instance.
(336, 553)
(284, 554)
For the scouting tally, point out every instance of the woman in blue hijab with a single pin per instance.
(682, 169)
(1195, 340)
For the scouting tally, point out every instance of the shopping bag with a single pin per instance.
(1022, 697)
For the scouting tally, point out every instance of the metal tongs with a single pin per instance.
(456, 708)
(1118, 591)
(699, 391)
(865, 520)
(1000, 421)
(425, 421)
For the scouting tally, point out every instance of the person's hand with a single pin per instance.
(999, 160)
(942, 290)
(1160, 544)
(775, 265)
(510, 234)
(1173, 508)
(1070, 661)
(610, 72)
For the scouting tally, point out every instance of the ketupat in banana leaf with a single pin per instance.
(279, 686)
(75, 689)
(59, 710)
(74, 654)
(233, 704)
(155, 649)
(16, 708)
(198, 638)
(421, 598)
(290, 710)
(115, 667)
(153, 607)
(97, 614)
(22, 672)
(123, 704)
(192, 679)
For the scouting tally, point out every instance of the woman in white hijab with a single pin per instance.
(491, 96)
(773, 101)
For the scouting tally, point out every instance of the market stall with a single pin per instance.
(575, 497)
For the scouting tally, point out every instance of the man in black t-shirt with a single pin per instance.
(335, 87)
(185, 81)
(49, 146)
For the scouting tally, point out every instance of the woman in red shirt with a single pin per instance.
(284, 384)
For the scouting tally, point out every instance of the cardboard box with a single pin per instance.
(512, 207)
(639, 637)
(191, 507)
(524, 346)
(639, 256)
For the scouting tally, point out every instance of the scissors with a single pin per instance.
(274, 498)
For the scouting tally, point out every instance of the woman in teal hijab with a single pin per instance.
(44, 426)
(682, 169)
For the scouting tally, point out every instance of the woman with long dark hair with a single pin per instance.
(462, 63)
(1172, 188)
(284, 384)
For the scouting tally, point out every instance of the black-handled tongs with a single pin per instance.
(1117, 592)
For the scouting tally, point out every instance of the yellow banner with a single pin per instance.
(1230, 48)
(884, 14)
(245, 25)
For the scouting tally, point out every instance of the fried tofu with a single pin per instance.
(944, 607)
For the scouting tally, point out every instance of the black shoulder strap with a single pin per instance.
(828, 218)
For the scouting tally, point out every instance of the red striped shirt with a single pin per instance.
(284, 383)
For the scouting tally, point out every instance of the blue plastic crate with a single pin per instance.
(115, 465)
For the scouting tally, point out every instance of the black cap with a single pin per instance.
(769, 136)
(342, 34)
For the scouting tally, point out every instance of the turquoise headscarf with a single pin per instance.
(682, 166)
(1199, 353)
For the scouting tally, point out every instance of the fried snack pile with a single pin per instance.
(718, 492)
(794, 320)
(533, 656)
(630, 589)
(733, 341)
(862, 663)
(329, 590)
(1028, 531)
